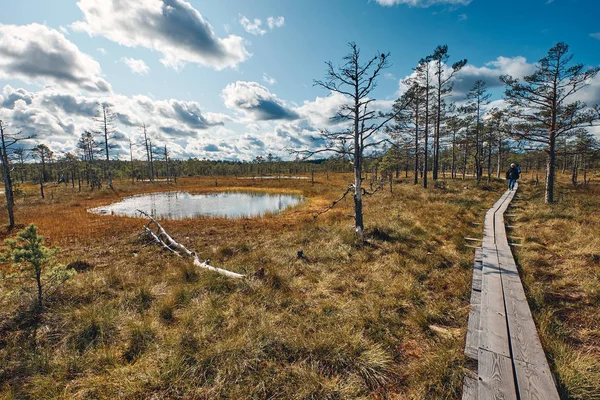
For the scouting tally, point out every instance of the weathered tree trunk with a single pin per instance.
(8, 186)
(105, 125)
(574, 171)
(489, 162)
(131, 157)
(358, 213)
(453, 165)
(550, 171)
(499, 166)
(42, 184)
(465, 156)
(426, 145)
(417, 145)
(583, 165)
(38, 279)
(162, 238)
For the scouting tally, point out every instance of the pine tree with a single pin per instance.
(543, 105)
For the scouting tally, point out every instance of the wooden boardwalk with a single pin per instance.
(501, 335)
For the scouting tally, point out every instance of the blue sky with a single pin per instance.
(234, 78)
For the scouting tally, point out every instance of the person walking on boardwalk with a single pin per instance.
(512, 175)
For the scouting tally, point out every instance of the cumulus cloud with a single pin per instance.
(320, 111)
(171, 27)
(256, 102)
(254, 26)
(424, 3)
(213, 148)
(275, 22)
(591, 93)
(59, 117)
(518, 67)
(10, 96)
(36, 53)
(136, 66)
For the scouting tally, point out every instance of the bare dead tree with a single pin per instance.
(106, 121)
(148, 147)
(7, 142)
(43, 154)
(131, 158)
(355, 79)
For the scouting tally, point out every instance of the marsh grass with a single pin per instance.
(345, 321)
(560, 267)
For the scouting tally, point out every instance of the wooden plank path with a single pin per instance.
(502, 339)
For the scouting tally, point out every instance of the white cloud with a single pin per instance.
(275, 22)
(171, 27)
(595, 35)
(320, 111)
(462, 17)
(423, 3)
(59, 117)
(269, 80)
(253, 27)
(36, 53)
(268, 126)
(102, 51)
(63, 30)
(136, 66)
(256, 102)
(591, 93)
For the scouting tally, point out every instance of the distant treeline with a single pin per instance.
(394, 163)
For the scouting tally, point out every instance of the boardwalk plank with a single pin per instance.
(469, 388)
(501, 334)
(472, 340)
(494, 330)
(496, 379)
(534, 382)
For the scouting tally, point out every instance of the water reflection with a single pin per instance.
(179, 205)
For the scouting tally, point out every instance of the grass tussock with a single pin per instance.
(560, 262)
(338, 320)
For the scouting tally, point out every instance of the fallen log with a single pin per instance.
(163, 239)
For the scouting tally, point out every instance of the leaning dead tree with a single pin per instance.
(158, 235)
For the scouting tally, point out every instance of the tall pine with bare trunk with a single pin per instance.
(442, 87)
(544, 108)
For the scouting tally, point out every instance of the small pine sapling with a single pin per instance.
(35, 262)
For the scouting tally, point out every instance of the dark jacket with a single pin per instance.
(512, 173)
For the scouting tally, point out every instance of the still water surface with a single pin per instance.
(179, 205)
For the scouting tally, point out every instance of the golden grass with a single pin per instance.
(384, 320)
(560, 263)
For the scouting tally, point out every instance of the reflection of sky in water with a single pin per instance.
(179, 205)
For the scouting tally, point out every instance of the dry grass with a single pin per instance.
(560, 263)
(384, 320)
